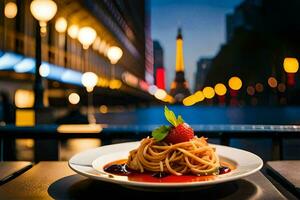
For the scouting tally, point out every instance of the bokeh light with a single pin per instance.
(250, 90)
(103, 109)
(208, 92)
(235, 83)
(73, 31)
(220, 89)
(281, 87)
(259, 87)
(290, 65)
(199, 96)
(272, 82)
(10, 10)
(74, 98)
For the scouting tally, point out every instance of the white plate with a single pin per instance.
(86, 163)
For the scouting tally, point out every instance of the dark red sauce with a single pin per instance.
(120, 168)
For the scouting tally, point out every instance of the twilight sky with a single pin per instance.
(203, 27)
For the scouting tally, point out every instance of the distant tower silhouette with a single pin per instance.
(179, 87)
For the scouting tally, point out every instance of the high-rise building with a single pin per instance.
(159, 70)
(179, 87)
(203, 66)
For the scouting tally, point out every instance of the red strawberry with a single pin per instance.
(181, 133)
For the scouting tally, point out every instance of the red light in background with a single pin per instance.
(160, 78)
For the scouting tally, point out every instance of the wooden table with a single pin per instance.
(287, 173)
(9, 170)
(48, 180)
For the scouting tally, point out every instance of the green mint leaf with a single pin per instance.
(160, 133)
(170, 116)
(180, 120)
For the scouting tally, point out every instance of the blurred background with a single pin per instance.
(79, 74)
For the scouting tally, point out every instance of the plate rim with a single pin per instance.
(106, 177)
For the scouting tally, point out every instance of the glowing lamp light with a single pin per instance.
(102, 46)
(24, 98)
(199, 96)
(281, 87)
(259, 87)
(86, 36)
(103, 109)
(10, 10)
(114, 54)
(208, 92)
(103, 82)
(220, 89)
(89, 80)
(61, 25)
(115, 84)
(96, 43)
(290, 65)
(43, 11)
(160, 94)
(235, 83)
(189, 101)
(272, 82)
(44, 70)
(130, 79)
(250, 90)
(74, 98)
(73, 31)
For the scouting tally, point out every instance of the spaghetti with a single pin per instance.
(191, 157)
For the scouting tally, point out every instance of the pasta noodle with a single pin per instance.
(192, 157)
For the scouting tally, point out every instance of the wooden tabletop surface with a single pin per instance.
(55, 180)
(9, 170)
(287, 172)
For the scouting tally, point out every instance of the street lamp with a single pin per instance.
(10, 10)
(89, 80)
(73, 31)
(61, 25)
(43, 11)
(114, 54)
(86, 36)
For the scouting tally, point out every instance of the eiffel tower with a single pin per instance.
(179, 87)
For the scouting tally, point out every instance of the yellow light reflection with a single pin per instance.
(208, 92)
(79, 128)
(220, 89)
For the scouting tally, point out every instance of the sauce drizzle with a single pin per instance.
(120, 168)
